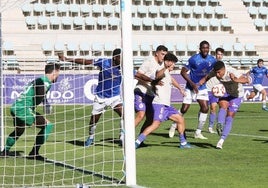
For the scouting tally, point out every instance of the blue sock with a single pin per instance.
(140, 139)
(182, 138)
(222, 116)
(212, 117)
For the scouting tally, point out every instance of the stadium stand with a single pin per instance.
(240, 27)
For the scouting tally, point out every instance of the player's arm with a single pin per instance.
(177, 85)
(184, 74)
(80, 61)
(241, 79)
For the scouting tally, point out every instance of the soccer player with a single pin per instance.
(143, 91)
(199, 65)
(258, 72)
(24, 114)
(212, 100)
(161, 103)
(108, 90)
(232, 99)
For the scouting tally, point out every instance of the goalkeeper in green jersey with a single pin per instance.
(24, 114)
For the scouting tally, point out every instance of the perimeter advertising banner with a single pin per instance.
(78, 88)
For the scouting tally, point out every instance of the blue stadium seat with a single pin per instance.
(197, 12)
(171, 24)
(208, 12)
(27, 9)
(96, 10)
(175, 11)
(85, 10)
(54, 22)
(192, 24)
(238, 49)
(59, 46)
(228, 48)
(90, 23)
(214, 24)
(181, 24)
(225, 24)
(136, 23)
(253, 12)
(159, 23)
(66, 22)
(164, 11)
(108, 10)
(259, 24)
(62, 9)
(50, 9)
(142, 11)
(102, 23)
(38, 9)
(153, 11)
(47, 46)
(147, 23)
(74, 10)
(72, 49)
(42, 22)
(30, 22)
(186, 11)
(219, 12)
(113, 23)
(78, 23)
(203, 24)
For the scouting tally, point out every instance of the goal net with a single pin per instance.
(33, 33)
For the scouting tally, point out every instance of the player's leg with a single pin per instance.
(149, 112)
(187, 100)
(140, 107)
(19, 128)
(118, 110)
(223, 106)
(264, 95)
(46, 128)
(213, 109)
(234, 104)
(202, 99)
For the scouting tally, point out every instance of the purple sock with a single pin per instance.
(212, 117)
(227, 128)
(222, 116)
(141, 138)
(182, 138)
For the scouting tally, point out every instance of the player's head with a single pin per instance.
(117, 56)
(52, 70)
(219, 53)
(160, 52)
(170, 60)
(204, 48)
(260, 62)
(219, 69)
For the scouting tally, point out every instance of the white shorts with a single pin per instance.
(257, 88)
(100, 105)
(190, 96)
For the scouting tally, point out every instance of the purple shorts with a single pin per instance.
(234, 102)
(142, 102)
(163, 112)
(212, 98)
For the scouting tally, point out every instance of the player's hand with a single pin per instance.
(61, 57)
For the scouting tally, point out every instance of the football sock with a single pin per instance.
(13, 137)
(212, 117)
(202, 120)
(221, 116)
(182, 139)
(9, 143)
(92, 129)
(227, 128)
(264, 103)
(140, 139)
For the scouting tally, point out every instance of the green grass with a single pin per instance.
(243, 161)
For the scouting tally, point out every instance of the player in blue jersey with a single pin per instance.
(24, 113)
(108, 90)
(258, 72)
(198, 66)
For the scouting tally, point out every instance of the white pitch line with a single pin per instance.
(247, 135)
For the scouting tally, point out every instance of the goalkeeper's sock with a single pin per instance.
(9, 143)
(42, 137)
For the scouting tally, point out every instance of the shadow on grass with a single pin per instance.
(107, 140)
(261, 140)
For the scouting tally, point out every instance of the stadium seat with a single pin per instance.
(12, 62)
(186, 11)
(164, 11)
(253, 12)
(191, 2)
(213, 2)
(181, 2)
(42, 22)
(153, 11)
(238, 49)
(8, 48)
(136, 23)
(78, 23)
(219, 12)
(214, 24)
(54, 22)
(90, 23)
(59, 46)
(208, 12)
(108, 10)
(250, 49)
(263, 12)
(256, 3)
(225, 24)
(259, 24)
(27, 9)
(228, 48)
(135, 49)
(246, 62)
(62, 9)
(145, 49)
(202, 2)
(234, 62)
(203, 24)
(197, 12)
(170, 46)
(175, 11)
(191, 48)
(50, 9)
(192, 24)
(142, 11)
(181, 24)
(102, 23)
(38, 9)
(66, 22)
(96, 10)
(97, 49)
(47, 47)
(85, 10)
(113, 23)
(108, 48)
(84, 49)
(72, 49)
(247, 3)
(147, 23)
(74, 10)
(170, 24)
(30, 22)
(159, 24)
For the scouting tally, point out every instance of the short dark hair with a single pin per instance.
(50, 67)
(170, 57)
(219, 50)
(117, 51)
(260, 60)
(161, 48)
(203, 43)
(218, 65)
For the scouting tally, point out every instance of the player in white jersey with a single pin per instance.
(232, 99)
(161, 103)
(143, 90)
